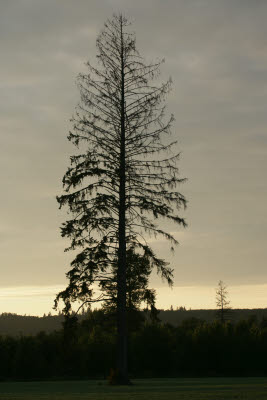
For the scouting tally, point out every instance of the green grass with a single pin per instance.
(142, 389)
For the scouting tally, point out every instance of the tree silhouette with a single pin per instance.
(124, 177)
(138, 270)
(221, 301)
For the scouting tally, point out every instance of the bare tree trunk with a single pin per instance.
(122, 355)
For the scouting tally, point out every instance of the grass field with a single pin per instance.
(143, 389)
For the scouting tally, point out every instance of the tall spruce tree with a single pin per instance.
(123, 178)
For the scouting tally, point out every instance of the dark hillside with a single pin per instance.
(176, 317)
(15, 325)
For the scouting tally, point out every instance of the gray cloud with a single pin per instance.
(216, 54)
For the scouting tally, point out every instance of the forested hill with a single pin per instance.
(176, 317)
(15, 325)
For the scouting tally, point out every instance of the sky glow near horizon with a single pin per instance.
(216, 54)
(39, 300)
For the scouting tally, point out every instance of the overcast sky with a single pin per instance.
(216, 53)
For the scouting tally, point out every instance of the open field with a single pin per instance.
(151, 389)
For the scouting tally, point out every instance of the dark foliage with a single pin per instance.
(86, 349)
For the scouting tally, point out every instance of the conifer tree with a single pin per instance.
(222, 301)
(123, 178)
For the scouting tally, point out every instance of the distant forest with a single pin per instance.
(173, 343)
(14, 325)
(178, 343)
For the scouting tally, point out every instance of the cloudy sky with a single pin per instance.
(216, 53)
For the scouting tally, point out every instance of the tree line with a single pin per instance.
(25, 325)
(87, 349)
